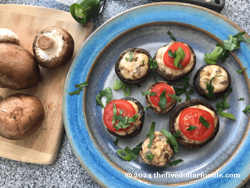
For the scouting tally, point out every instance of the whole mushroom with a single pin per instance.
(53, 47)
(7, 36)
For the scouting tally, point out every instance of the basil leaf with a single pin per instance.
(123, 154)
(163, 100)
(107, 92)
(180, 55)
(191, 127)
(129, 151)
(124, 88)
(210, 89)
(240, 71)
(175, 97)
(227, 115)
(117, 84)
(148, 93)
(150, 134)
(247, 110)
(175, 162)
(76, 92)
(241, 99)
(188, 98)
(146, 108)
(171, 138)
(150, 157)
(84, 84)
(171, 54)
(131, 56)
(116, 141)
(204, 122)
(152, 64)
(170, 34)
(133, 119)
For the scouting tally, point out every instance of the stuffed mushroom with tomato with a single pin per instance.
(124, 117)
(197, 121)
(221, 81)
(132, 66)
(166, 67)
(156, 93)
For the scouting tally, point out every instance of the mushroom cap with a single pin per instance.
(44, 42)
(18, 69)
(8, 36)
(20, 116)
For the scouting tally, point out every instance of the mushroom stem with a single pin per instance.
(1, 98)
(44, 42)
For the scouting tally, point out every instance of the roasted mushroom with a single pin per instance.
(221, 80)
(125, 107)
(53, 47)
(7, 36)
(166, 68)
(161, 150)
(20, 116)
(187, 118)
(153, 101)
(132, 66)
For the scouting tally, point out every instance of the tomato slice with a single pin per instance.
(169, 61)
(190, 116)
(158, 89)
(123, 105)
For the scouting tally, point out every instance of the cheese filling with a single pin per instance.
(161, 150)
(188, 140)
(135, 69)
(55, 50)
(220, 81)
(166, 69)
(136, 125)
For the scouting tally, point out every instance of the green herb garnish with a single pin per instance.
(219, 76)
(146, 108)
(247, 110)
(170, 34)
(150, 157)
(171, 138)
(210, 89)
(123, 154)
(152, 64)
(175, 97)
(116, 141)
(150, 134)
(117, 84)
(80, 86)
(107, 92)
(129, 151)
(178, 56)
(131, 56)
(191, 127)
(126, 89)
(177, 134)
(142, 62)
(240, 71)
(84, 84)
(185, 81)
(148, 93)
(241, 99)
(135, 150)
(126, 58)
(204, 122)
(175, 162)
(163, 100)
(188, 98)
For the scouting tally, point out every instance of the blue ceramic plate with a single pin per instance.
(146, 27)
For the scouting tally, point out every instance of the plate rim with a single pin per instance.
(102, 26)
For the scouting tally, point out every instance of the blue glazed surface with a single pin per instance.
(74, 119)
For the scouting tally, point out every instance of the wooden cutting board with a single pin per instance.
(26, 21)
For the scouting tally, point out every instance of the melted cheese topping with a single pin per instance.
(220, 83)
(135, 69)
(188, 140)
(136, 125)
(161, 65)
(7, 35)
(53, 51)
(161, 150)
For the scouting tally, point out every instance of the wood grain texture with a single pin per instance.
(26, 21)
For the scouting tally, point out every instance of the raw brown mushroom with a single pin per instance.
(7, 36)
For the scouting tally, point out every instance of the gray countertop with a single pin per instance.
(67, 171)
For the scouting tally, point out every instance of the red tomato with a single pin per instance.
(169, 61)
(123, 105)
(190, 116)
(158, 89)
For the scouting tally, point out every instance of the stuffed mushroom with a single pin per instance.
(53, 47)
(166, 67)
(153, 99)
(128, 120)
(132, 66)
(197, 121)
(159, 153)
(221, 81)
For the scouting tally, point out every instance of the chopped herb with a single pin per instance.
(148, 93)
(123, 154)
(131, 56)
(171, 138)
(189, 91)
(171, 54)
(178, 56)
(117, 84)
(175, 97)
(146, 108)
(191, 127)
(163, 100)
(177, 134)
(227, 115)
(130, 152)
(84, 84)
(170, 34)
(175, 162)
(180, 91)
(185, 81)
(152, 64)
(212, 58)
(124, 88)
(116, 141)
(142, 62)
(114, 113)
(241, 99)
(80, 86)
(219, 76)
(247, 110)
(210, 89)
(204, 122)
(188, 98)
(135, 151)
(150, 157)
(126, 58)
(155, 79)
(107, 92)
(150, 134)
(240, 71)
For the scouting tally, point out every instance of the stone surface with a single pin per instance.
(67, 171)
